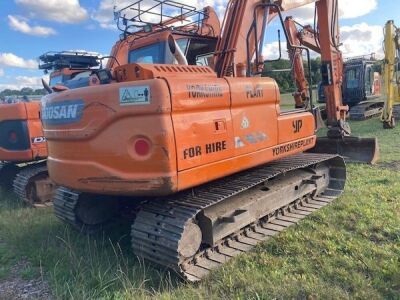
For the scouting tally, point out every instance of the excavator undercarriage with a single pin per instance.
(33, 185)
(366, 110)
(197, 230)
(29, 181)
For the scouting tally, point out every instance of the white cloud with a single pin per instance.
(20, 24)
(66, 11)
(1, 73)
(361, 39)
(28, 81)
(12, 60)
(20, 82)
(348, 9)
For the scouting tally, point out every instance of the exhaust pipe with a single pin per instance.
(352, 149)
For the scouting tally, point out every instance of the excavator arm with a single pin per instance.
(392, 48)
(242, 37)
(325, 40)
(302, 95)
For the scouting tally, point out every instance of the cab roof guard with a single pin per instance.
(68, 59)
(157, 15)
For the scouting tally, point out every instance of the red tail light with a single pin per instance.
(142, 147)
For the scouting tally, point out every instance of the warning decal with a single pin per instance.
(137, 95)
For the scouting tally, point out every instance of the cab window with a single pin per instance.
(352, 78)
(56, 80)
(152, 54)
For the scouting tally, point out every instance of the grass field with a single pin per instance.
(350, 249)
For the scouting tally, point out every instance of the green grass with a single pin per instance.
(350, 249)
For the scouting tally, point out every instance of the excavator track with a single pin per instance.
(26, 185)
(72, 207)
(165, 232)
(366, 110)
(65, 201)
(8, 171)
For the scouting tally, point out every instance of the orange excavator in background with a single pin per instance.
(359, 83)
(23, 153)
(23, 147)
(339, 138)
(189, 134)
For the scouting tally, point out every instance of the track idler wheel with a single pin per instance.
(190, 240)
(352, 149)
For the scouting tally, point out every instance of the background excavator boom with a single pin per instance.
(392, 49)
(326, 41)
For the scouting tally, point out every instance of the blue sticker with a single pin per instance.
(61, 113)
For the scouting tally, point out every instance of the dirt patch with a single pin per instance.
(394, 166)
(15, 287)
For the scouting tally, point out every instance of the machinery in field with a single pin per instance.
(361, 88)
(68, 69)
(189, 135)
(23, 153)
(23, 147)
(391, 111)
(360, 84)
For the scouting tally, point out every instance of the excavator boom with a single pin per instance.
(392, 86)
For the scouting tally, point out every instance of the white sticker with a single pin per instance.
(245, 123)
(135, 95)
(238, 142)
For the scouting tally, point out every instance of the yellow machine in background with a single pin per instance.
(391, 78)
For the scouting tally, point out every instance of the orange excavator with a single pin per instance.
(23, 147)
(189, 134)
(23, 152)
(339, 138)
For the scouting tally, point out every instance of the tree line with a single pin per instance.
(281, 71)
(26, 91)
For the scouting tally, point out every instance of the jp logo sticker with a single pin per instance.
(135, 95)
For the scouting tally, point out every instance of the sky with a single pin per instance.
(29, 28)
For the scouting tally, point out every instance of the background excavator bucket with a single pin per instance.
(353, 149)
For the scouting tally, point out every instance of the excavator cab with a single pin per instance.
(172, 48)
(359, 81)
(362, 88)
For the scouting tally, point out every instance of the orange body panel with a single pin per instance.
(198, 128)
(29, 114)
